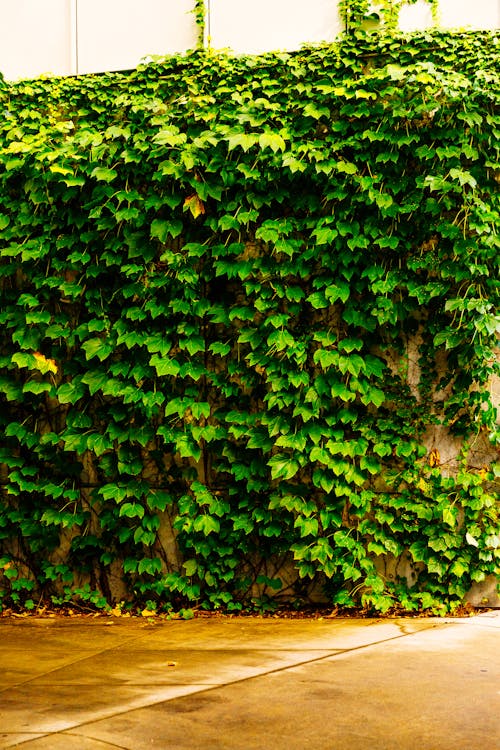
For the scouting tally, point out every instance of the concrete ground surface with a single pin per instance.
(250, 684)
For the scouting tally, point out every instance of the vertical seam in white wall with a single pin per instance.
(208, 28)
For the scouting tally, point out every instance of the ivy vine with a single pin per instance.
(237, 296)
(356, 13)
(200, 14)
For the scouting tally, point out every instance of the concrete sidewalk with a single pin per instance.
(251, 684)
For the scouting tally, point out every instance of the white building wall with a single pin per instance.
(416, 16)
(117, 34)
(66, 37)
(472, 14)
(254, 26)
(36, 37)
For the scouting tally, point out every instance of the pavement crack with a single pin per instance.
(104, 743)
(332, 654)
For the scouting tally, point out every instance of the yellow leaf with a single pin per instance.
(434, 458)
(44, 364)
(195, 205)
(148, 613)
(422, 485)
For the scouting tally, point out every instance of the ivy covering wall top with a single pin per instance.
(215, 275)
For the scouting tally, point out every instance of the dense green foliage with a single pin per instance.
(220, 278)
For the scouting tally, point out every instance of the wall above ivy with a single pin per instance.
(237, 296)
(67, 38)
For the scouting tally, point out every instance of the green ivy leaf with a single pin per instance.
(280, 340)
(132, 510)
(200, 409)
(271, 140)
(190, 566)
(307, 526)
(36, 387)
(70, 393)
(283, 467)
(244, 141)
(206, 524)
(163, 366)
(103, 174)
(313, 110)
(162, 229)
(318, 300)
(346, 167)
(97, 348)
(187, 448)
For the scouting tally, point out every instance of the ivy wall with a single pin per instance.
(240, 298)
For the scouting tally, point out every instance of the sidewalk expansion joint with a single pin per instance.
(105, 743)
(332, 653)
